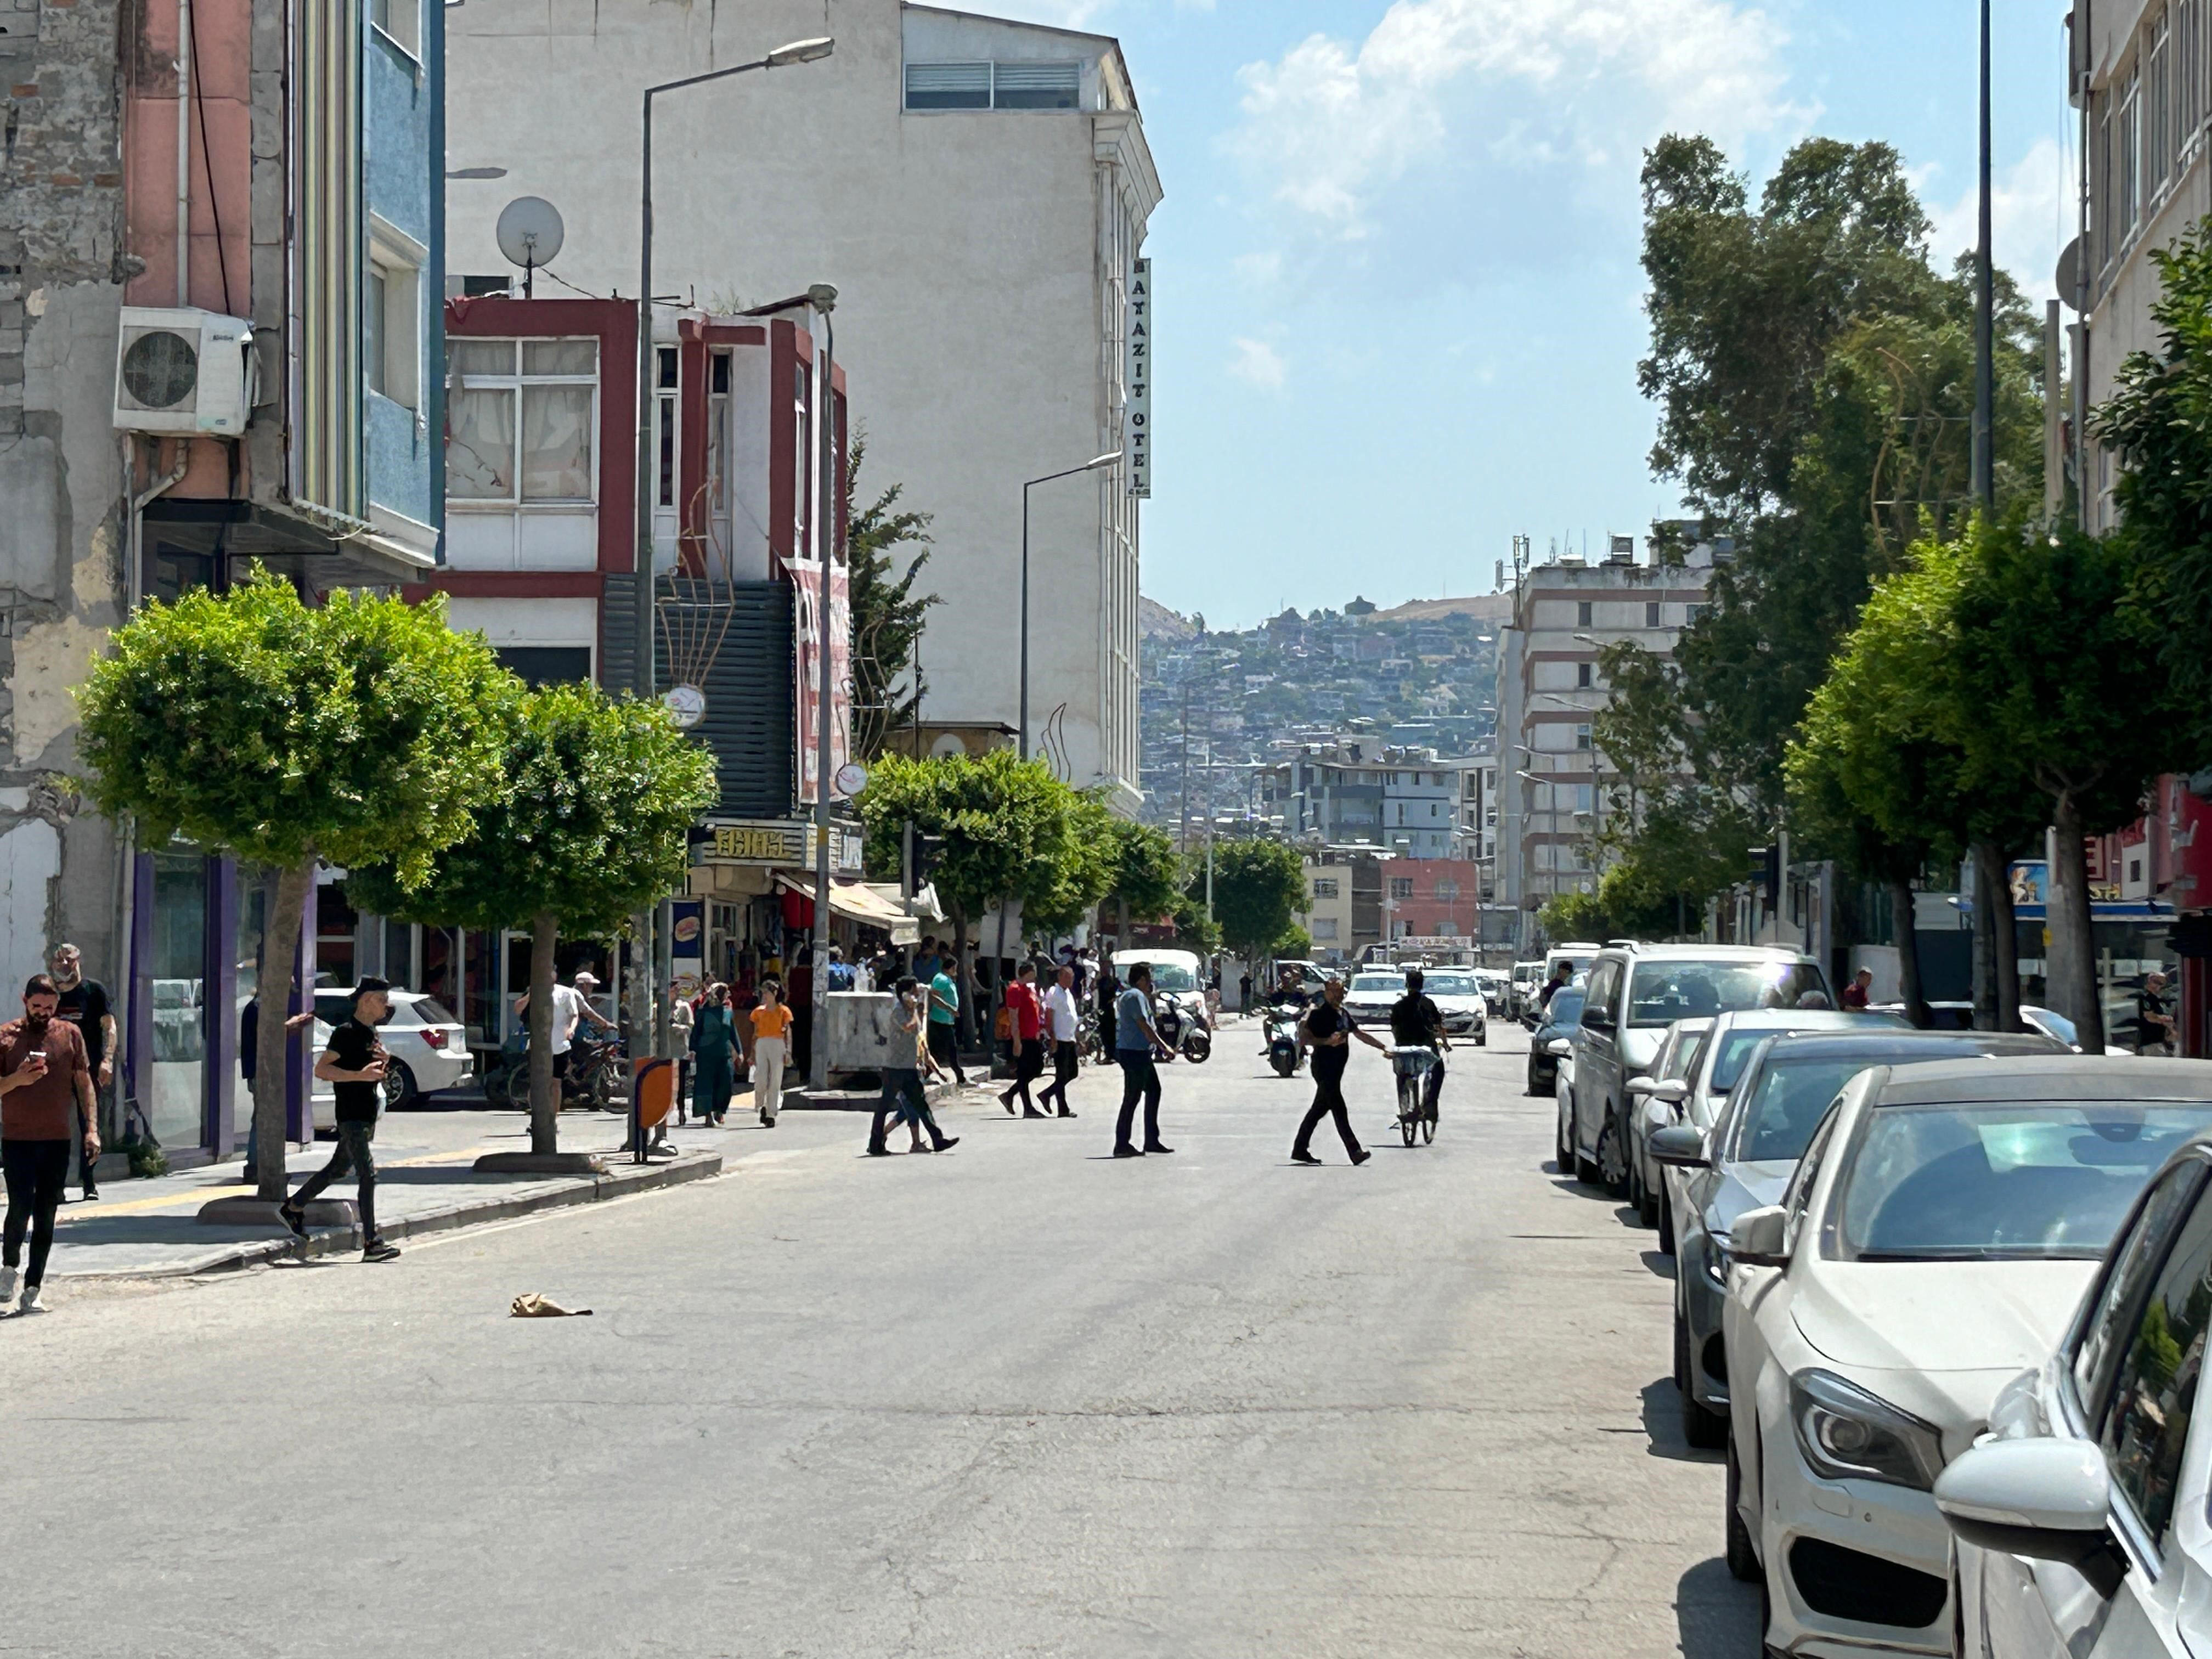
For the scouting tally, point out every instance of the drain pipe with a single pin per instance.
(184, 156)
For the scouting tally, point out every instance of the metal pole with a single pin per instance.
(1025, 621)
(640, 987)
(825, 543)
(1985, 460)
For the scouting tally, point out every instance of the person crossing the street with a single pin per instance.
(1026, 1033)
(352, 1063)
(1136, 1040)
(1416, 1022)
(1329, 1029)
(771, 1022)
(45, 1091)
(1063, 1029)
(943, 1022)
(904, 1100)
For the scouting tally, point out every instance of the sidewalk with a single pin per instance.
(425, 1184)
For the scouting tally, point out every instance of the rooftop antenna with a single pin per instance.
(529, 235)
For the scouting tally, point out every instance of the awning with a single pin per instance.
(856, 902)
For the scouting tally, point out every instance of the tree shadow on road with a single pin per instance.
(1718, 1618)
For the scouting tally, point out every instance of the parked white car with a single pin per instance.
(429, 1049)
(1939, 1230)
(2080, 1519)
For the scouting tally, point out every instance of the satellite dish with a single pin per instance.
(530, 233)
(2068, 279)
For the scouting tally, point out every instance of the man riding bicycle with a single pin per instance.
(1417, 1022)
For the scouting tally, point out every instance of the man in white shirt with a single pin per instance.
(570, 1004)
(1062, 1026)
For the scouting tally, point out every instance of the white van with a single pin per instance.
(1177, 976)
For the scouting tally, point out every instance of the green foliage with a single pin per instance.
(1146, 871)
(363, 732)
(2160, 420)
(592, 823)
(1628, 902)
(1193, 931)
(1004, 828)
(1297, 945)
(1259, 889)
(888, 615)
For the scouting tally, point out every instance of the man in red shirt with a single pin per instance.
(1856, 994)
(46, 1082)
(1027, 1015)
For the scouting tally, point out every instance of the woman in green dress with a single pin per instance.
(714, 1048)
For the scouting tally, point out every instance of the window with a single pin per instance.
(391, 340)
(665, 372)
(1324, 887)
(547, 665)
(2107, 203)
(522, 416)
(2187, 73)
(1651, 613)
(1695, 613)
(1582, 613)
(1447, 890)
(2154, 1393)
(1585, 799)
(1324, 928)
(2157, 111)
(1582, 736)
(718, 432)
(2130, 158)
(399, 21)
(1585, 674)
(994, 86)
(1402, 887)
(2130, 1264)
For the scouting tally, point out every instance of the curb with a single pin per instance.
(620, 1181)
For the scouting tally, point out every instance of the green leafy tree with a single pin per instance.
(1259, 891)
(1145, 883)
(596, 798)
(362, 732)
(888, 615)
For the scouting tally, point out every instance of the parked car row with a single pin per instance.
(1942, 1296)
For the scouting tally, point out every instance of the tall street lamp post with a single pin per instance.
(824, 299)
(797, 51)
(1090, 465)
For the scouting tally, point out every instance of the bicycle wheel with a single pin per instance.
(1409, 1112)
(1428, 1128)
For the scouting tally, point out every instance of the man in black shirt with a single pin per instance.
(353, 1065)
(1417, 1022)
(2154, 1021)
(1329, 1029)
(83, 1003)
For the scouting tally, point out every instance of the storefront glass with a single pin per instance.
(177, 982)
(252, 919)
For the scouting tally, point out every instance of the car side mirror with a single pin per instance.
(1760, 1237)
(1559, 1049)
(1671, 1092)
(1679, 1148)
(2042, 1498)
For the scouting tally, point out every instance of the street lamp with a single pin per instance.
(1090, 465)
(794, 52)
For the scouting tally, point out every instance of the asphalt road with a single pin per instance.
(1016, 1399)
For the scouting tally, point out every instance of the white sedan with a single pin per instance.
(2083, 1530)
(1939, 1230)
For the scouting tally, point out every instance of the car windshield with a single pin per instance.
(1452, 985)
(1662, 993)
(1791, 1097)
(1565, 1008)
(1378, 985)
(2031, 1179)
(1172, 976)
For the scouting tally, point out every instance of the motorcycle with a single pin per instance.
(1183, 1034)
(1280, 1027)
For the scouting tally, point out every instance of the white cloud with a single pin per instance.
(2031, 219)
(1258, 364)
(1533, 84)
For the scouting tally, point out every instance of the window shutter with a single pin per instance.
(1039, 86)
(948, 86)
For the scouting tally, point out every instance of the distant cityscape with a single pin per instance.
(1221, 707)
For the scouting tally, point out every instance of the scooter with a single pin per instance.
(1184, 1034)
(1280, 1026)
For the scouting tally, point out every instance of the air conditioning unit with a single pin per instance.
(180, 369)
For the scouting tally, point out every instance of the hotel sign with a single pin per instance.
(782, 844)
(1137, 411)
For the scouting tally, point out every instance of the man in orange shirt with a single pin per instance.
(771, 1040)
(1026, 1030)
(46, 1082)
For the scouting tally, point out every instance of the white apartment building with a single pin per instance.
(2141, 77)
(1358, 792)
(977, 190)
(1553, 779)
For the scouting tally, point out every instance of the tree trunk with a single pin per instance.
(1984, 920)
(963, 1025)
(2071, 973)
(280, 962)
(1907, 935)
(1121, 925)
(544, 1092)
(1993, 876)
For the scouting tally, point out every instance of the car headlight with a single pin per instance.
(1846, 1433)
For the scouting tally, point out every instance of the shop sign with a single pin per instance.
(782, 845)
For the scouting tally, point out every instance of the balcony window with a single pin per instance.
(522, 416)
(979, 86)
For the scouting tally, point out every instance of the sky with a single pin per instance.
(1397, 303)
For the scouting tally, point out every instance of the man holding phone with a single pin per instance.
(45, 1084)
(352, 1063)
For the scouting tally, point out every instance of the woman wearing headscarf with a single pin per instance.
(713, 1044)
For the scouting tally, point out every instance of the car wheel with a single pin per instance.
(399, 1087)
(1666, 1223)
(1742, 1557)
(1612, 1167)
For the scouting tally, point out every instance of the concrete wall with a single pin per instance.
(61, 524)
(965, 245)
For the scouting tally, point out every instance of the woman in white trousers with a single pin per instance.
(771, 1040)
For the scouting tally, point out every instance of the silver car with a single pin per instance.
(1786, 1087)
